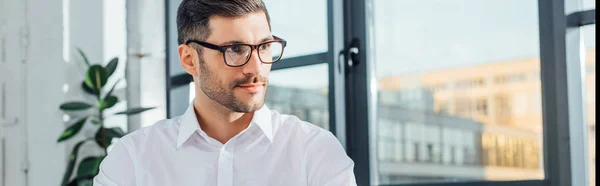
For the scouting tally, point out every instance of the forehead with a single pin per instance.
(250, 28)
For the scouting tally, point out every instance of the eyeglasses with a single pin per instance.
(237, 55)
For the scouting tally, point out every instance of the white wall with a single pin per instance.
(12, 100)
(44, 92)
(33, 74)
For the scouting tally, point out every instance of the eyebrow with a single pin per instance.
(233, 42)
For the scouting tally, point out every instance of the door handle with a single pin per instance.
(350, 54)
(353, 59)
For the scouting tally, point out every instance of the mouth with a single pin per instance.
(252, 88)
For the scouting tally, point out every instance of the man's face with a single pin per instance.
(240, 89)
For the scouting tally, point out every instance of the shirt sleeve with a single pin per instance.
(117, 168)
(328, 164)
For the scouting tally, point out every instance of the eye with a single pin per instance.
(265, 46)
(238, 49)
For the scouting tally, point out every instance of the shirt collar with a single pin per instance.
(189, 123)
(262, 118)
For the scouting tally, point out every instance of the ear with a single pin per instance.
(187, 58)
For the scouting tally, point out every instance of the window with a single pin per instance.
(589, 50)
(511, 78)
(452, 155)
(470, 83)
(503, 110)
(417, 150)
(508, 151)
(430, 155)
(482, 106)
(306, 99)
(412, 53)
(463, 107)
(304, 36)
(467, 156)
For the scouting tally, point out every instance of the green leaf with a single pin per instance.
(72, 130)
(112, 66)
(74, 105)
(88, 168)
(85, 59)
(96, 77)
(71, 165)
(85, 182)
(134, 111)
(109, 134)
(95, 122)
(88, 89)
(113, 88)
(109, 102)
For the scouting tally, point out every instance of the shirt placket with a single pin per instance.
(225, 168)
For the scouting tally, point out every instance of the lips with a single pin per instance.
(251, 87)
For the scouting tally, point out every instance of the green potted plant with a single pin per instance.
(96, 78)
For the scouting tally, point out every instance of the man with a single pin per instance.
(227, 136)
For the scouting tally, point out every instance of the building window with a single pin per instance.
(503, 110)
(482, 106)
(452, 155)
(430, 155)
(469, 157)
(511, 78)
(470, 83)
(480, 82)
(417, 154)
(463, 107)
(439, 87)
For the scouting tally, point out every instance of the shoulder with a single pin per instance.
(160, 132)
(323, 156)
(301, 131)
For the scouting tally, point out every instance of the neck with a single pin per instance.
(218, 121)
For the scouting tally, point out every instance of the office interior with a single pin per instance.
(428, 92)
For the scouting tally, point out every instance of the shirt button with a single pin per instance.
(224, 153)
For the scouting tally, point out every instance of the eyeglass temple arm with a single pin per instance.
(204, 44)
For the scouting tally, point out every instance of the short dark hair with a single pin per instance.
(193, 15)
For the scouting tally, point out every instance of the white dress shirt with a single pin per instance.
(275, 149)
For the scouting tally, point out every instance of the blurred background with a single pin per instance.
(458, 92)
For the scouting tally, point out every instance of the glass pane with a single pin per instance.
(459, 92)
(305, 33)
(292, 91)
(589, 39)
(589, 42)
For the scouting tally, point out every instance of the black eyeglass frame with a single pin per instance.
(224, 48)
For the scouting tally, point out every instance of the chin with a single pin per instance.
(255, 106)
(252, 103)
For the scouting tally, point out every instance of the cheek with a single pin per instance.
(266, 69)
(222, 76)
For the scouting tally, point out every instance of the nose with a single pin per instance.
(253, 67)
